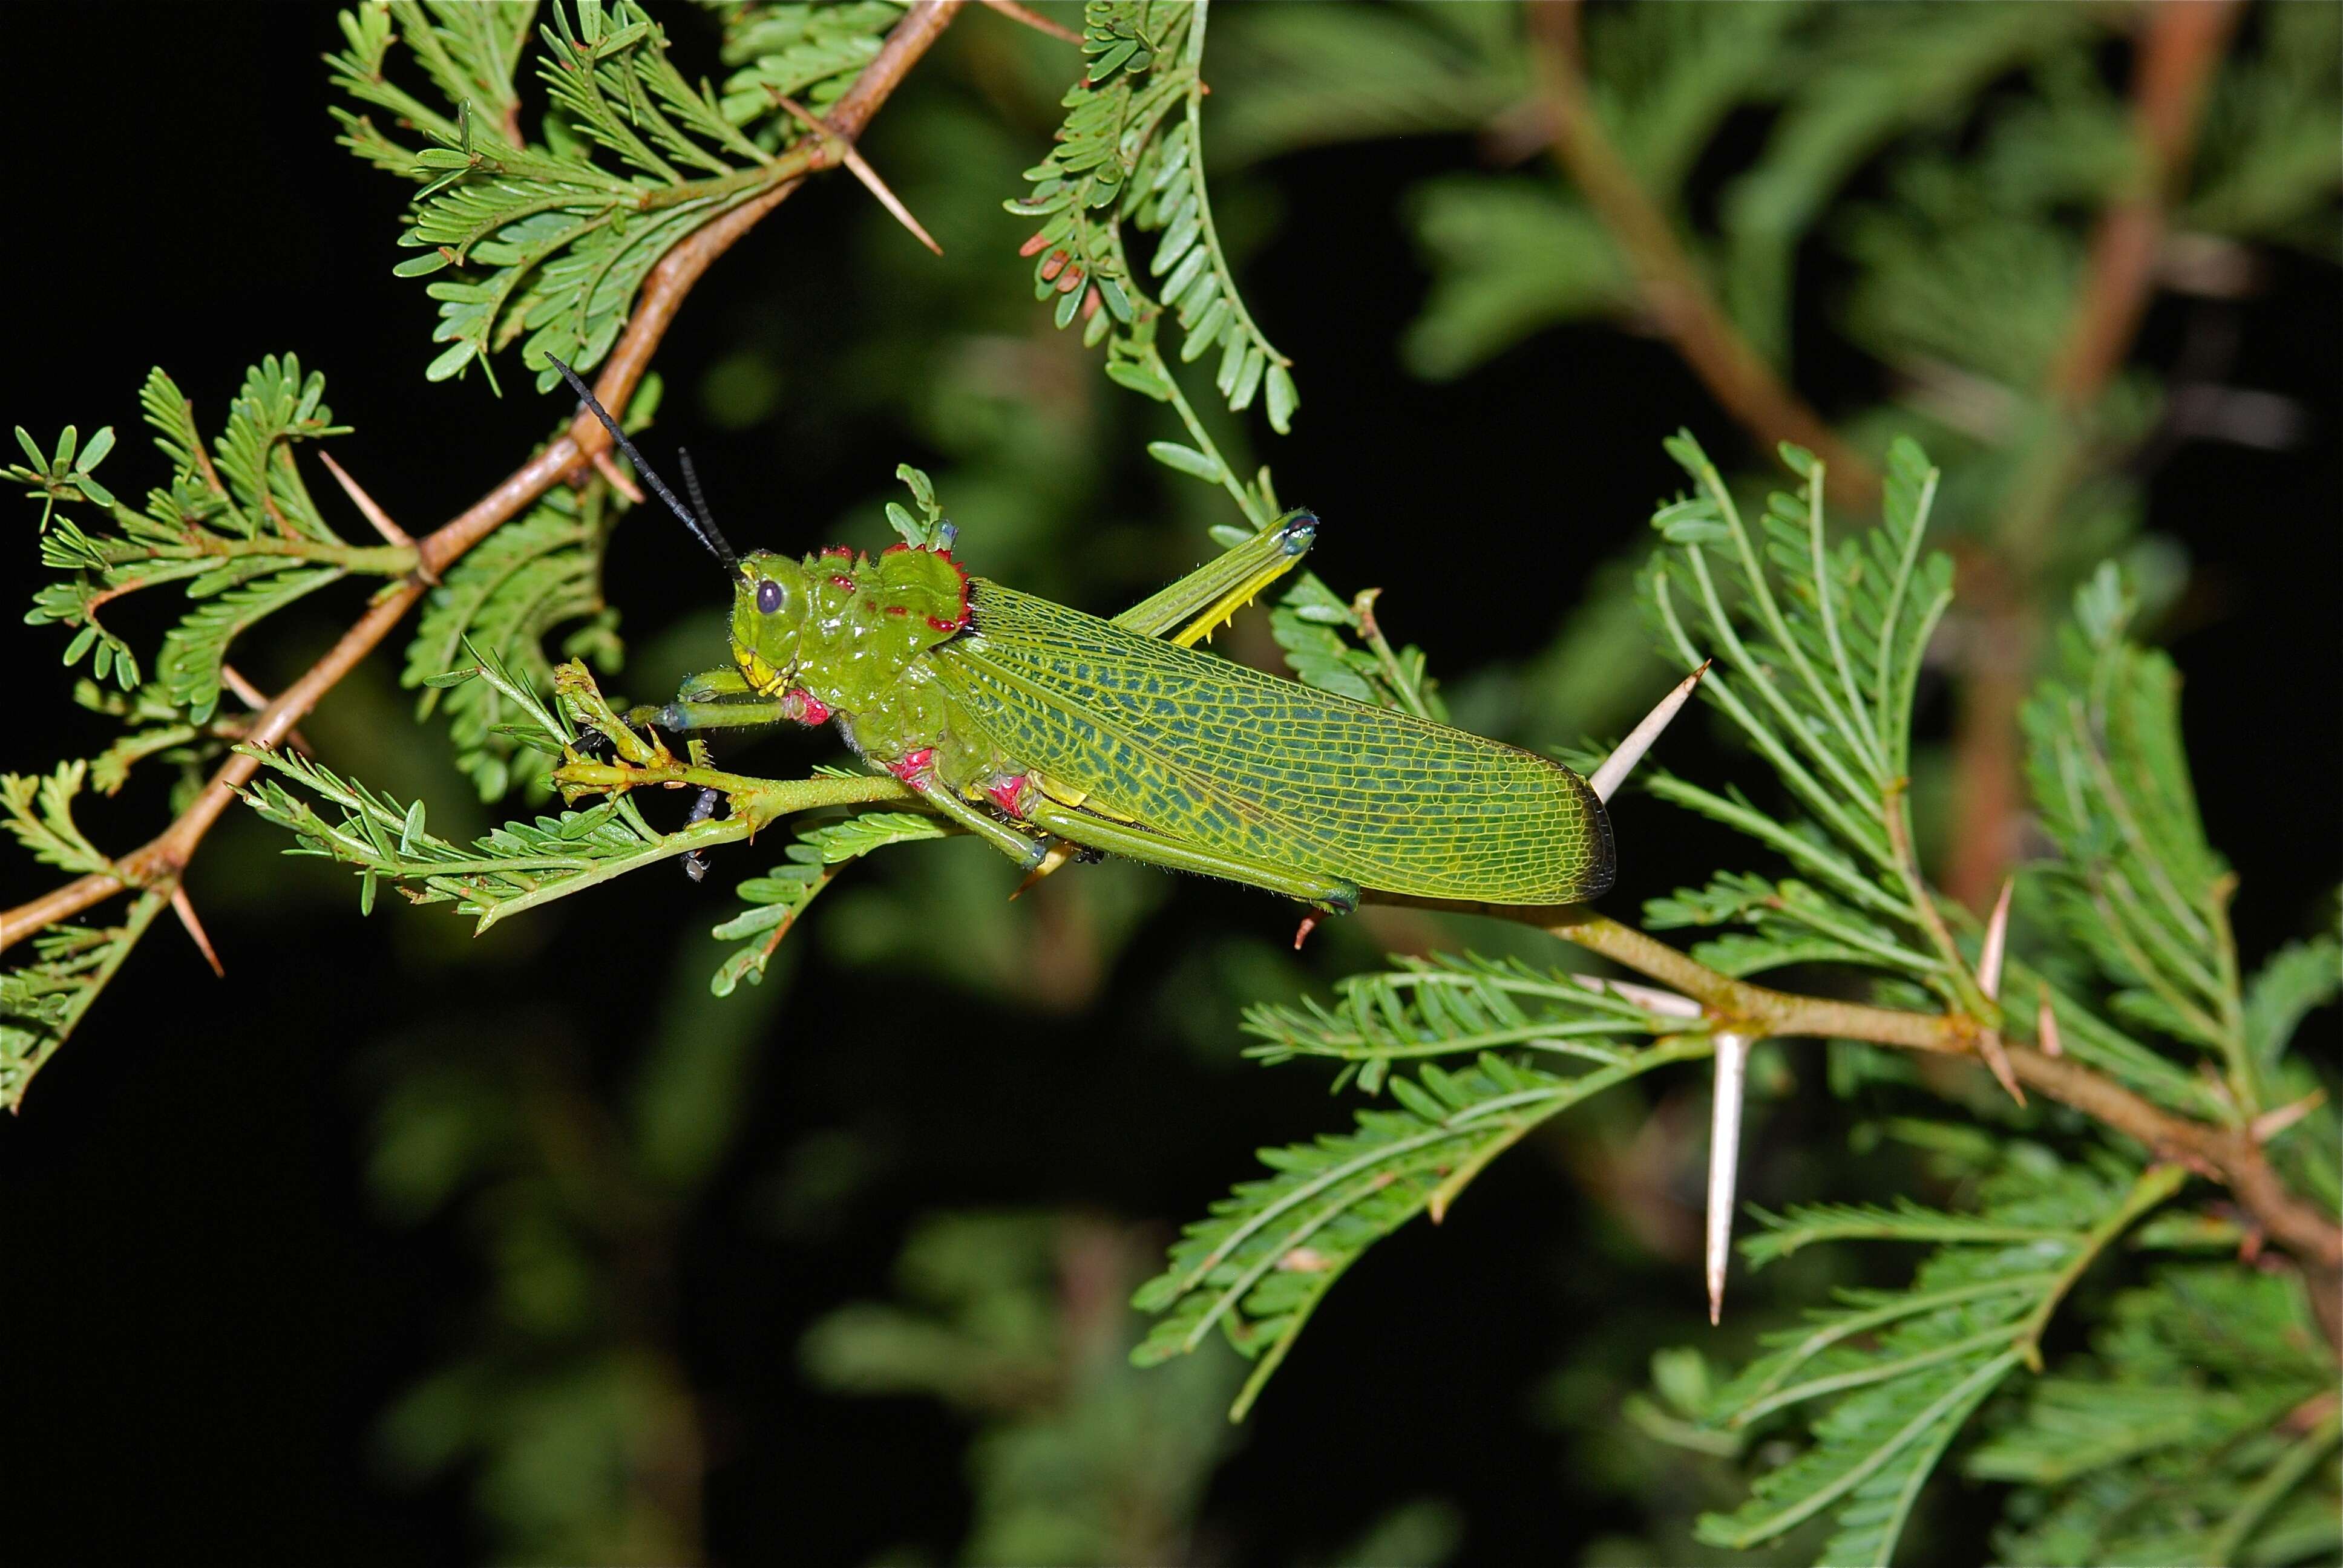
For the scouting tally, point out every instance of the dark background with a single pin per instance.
(207, 1316)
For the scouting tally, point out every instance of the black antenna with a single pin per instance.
(691, 488)
(703, 526)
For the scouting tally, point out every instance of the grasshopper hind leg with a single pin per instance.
(1328, 895)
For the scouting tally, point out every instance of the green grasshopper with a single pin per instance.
(1022, 722)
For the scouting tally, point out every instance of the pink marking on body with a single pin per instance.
(916, 768)
(1010, 794)
(840, 580)
(836, 550)
(960, 621)
(811, 709)
(897, 610)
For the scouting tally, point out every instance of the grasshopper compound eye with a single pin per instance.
(770, 596)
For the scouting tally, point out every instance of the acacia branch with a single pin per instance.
(160, 863)
(2231, 1156)
(2182, 42)
(1679, 299)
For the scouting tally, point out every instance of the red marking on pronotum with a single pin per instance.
(837, 551)
(898, 609)
(1010, 794)
(840, 579)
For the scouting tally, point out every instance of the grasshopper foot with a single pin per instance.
(1342, 901)
(703, 807)
(597, 747)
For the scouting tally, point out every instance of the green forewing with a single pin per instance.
(1209, 750)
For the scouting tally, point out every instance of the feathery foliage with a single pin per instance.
(539, 572)
(2201, 1427)
(41, 1002)
(235, 527)
(2200, 1423)
(1122, 158)
(778, 897)
(1260, 1265)
(2136, 883)
(1887, 1380)
(1817, 652)
(547, 239)
(517, 866)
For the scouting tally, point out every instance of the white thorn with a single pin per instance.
(609, 471)
(368, 507)
(2046, 1027)
(184, 907)
(1015, 12)
(1996, 942)
(1996, 1058)
(2270, 1123)
(1651, 999)
(862, 170)
(1622, 762)
(1724, 1159)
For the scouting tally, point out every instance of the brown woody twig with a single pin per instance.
(1677, 296)
(161, 861)
(2232, 1156)
(2180, 44)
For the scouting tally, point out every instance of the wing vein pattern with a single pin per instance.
(1209, 751)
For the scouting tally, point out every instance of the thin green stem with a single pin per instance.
(1954, 1402)
(2272, 1488)
(1904, 1306)
(1244, 498)
(1825, 601)
(2156, 1184)
(1208, 237)
(1895, 813)
(1769, 613)
(1870, 1373)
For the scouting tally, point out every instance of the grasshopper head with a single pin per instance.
(769, 616)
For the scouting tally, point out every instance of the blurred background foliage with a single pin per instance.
(528, 1249)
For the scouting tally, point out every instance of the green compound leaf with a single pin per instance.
(1448, 1005)
(1271, 1250)
(1817, 649)
(2136, 887)
(236, 526)
(2191, 1431)
(778, 897)
(194, 651)
(39, 812)
(547, 241)
(1886, 1381)
(516, 867)
(1129, 159)
(44, 1000)
(539, 572)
